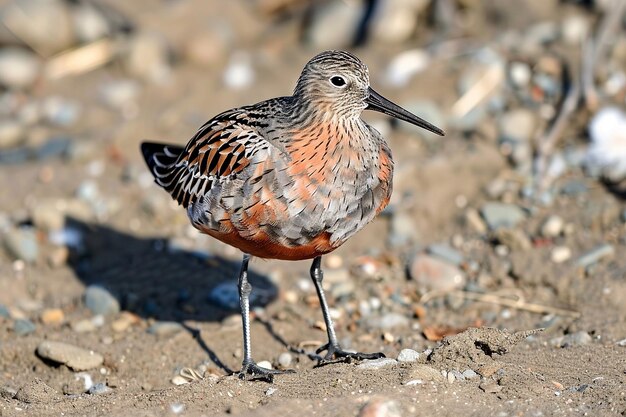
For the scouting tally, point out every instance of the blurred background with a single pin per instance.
(515, 219)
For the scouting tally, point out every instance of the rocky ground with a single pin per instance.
(494, 283)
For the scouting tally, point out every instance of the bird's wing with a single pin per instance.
(220, 150)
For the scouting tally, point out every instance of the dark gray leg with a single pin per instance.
(249, 367)
(332, 348)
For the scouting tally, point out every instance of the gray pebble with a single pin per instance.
(575, 339)
(408, 355)
(4, 312)
(285, 359)
(89, 23)
(469, 374)
(387, 321)
(99, 388)
(446, 253)
(19, 68)
(165, 328)
(376, 363)
(74, 357)
(100, 301)
(22, 327)
(403, 230)
(574, 187)
(603, 251)
(22, 243)
(499, 215)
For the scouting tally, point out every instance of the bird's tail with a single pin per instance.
(161, 159)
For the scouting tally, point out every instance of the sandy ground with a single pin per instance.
(125, 248)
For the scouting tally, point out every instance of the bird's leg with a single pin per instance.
(332, 348)
(249, 367)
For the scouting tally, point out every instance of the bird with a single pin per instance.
(289, 178)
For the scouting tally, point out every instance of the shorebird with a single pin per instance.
(289, 178)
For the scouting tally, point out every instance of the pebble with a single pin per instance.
(36, 391)
(165, 329)
(22, 327)
(285, 359)
(74, 357)
(560, 254)
(376, 363)
(265, 364)
(120, 95)
(517, 125)
(147, 57)
(52, 316)
(4, 312)
(124, 322)
(408, 355)
(387, 321)
(595, 255)
(552, 226)
(622, 343)
(504, 215)
(580, 338)
(404, 66)
(99, 388)
(84, 326)
(11, 133)
(381, 408)
(57, 257)
(469, 374)
(475, 221)
(22, 243)
(433, 274)
(520, 73)
(446, 253)
(19, 68)
(100, 301)
(59, 111)
(575, 29)
(606, 156)
(333, 24)
(89, 24)
(239, 72)
(514, 239)
(395, 21)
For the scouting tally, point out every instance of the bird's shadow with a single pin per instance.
(154, 281)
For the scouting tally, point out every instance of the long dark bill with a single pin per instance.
(379, 103)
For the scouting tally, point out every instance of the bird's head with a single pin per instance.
(337, 84)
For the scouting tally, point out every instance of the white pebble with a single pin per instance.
(265, 364)
(560, 254)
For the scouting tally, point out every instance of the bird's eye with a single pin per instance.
(338, 81)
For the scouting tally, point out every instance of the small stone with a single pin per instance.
(19, 68)
(46, 216)
(376, 363)
(560, 254)
(433, 274)
(270, 391)
(469, 374)
(622, 343)
(575, 29)
(475, 221)
(179, 380)
(606, 156)
(165, 329)
(4, 312)
(52, 316)
(490, 387)
(517, 125)
(502, 215)
(404, 66)
(520, 74)
(11, 133)
(239, 72)
(73, 357)
(285, 359)
(22, 244)
(403, 230)
(450, 377)
(595, 255)
(58, 256)
(121, 95)
(99, 388)
(89, 24)
(333, 24)
(124, 322)
(84, 326)
(387, 321)
(100, 301)
(446, 253)
(59, 111)
(514, 239)
(408, 355)
(552, 226)
(35, 392)
(381, 408)
(581, 338)
(265, 364)
(148, 56)
(22, 327)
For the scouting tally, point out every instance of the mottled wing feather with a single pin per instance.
(220, 150)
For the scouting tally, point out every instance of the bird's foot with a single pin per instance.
(251, 371)
(335, 354)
